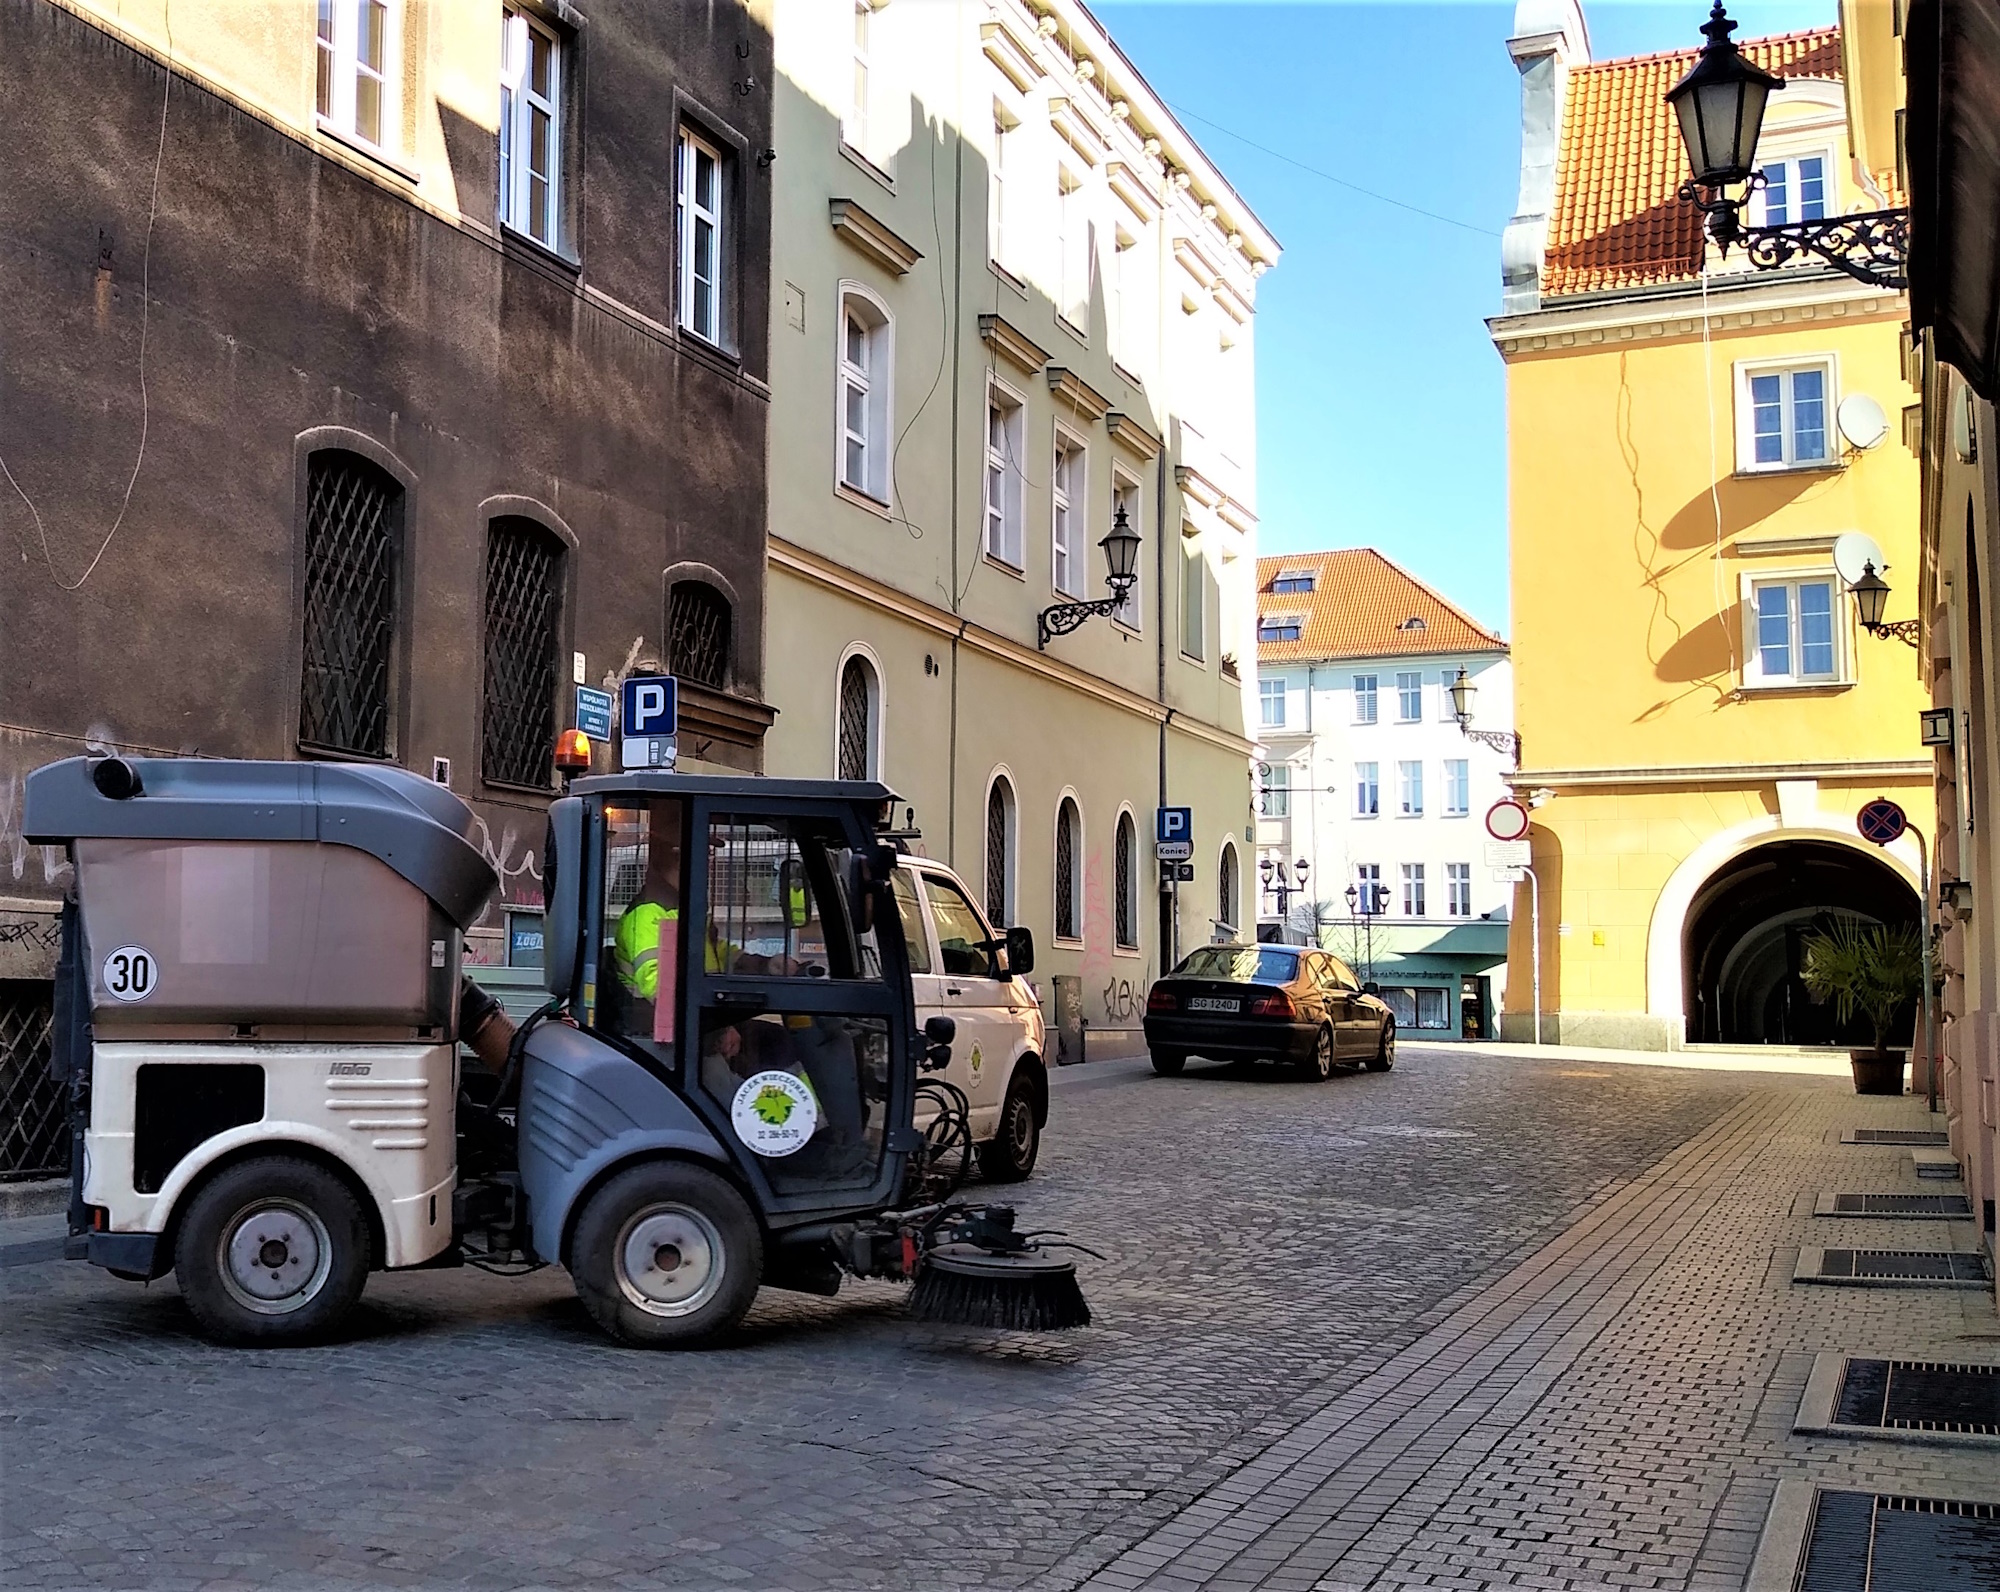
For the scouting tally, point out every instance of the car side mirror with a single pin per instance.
(939, 1032)
(1020, 948)
(1371, 988)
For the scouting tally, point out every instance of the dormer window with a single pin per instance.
(1279, 627)
(1414, 622)
(1298, 580)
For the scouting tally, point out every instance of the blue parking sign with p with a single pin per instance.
(651, 706)
(1175, 823)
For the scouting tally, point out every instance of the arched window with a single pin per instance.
(523, 606)
(698, 633)
(1000, 852)
(353, 533)
(1226, 908)
(1069, 871)
(1125, 881)
(859, 707)
(866, 373)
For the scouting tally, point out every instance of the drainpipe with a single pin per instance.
(1169, 900)
(954, 331)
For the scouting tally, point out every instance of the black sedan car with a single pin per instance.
(1283, 1003)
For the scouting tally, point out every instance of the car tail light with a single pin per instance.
(1279, 1005)
(1162, 1000)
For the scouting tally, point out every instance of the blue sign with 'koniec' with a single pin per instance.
(651, 706)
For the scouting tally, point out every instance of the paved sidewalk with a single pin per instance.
(1614, 1411)
(1812, 1062)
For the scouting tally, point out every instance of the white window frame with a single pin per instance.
(874, 380)
(1760, 210)
(999, 230)
(1368, 875)
(1747, 462)
(1194, 602)
(1229, 903)
(1414, 903)
(1457, 787)
(692, 146)
(1407, 681)
(1069, 513)
(1127, 494)
(1076, 248)
(339, 53)
(518, 104)
(1078, 896)
(1458, 889)
(854, 124)
(1271, 694)
(1754, 677)
(1410, 787)
(1275, 799)
(1367, 790)
(1135, 897)
(877, 706)
(1371, 695)
(1280, 622)
(1010, 859)
(1285, 582)
(1003, 471)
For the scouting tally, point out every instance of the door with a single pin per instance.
(1354, 1020)
(801, 1024)
(976, 998)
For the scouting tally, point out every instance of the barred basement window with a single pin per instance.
(1067, 825)
(353, 509)
(1124, 909)
(523, 601)
(856, 714)
(698, 633)
(999, 853)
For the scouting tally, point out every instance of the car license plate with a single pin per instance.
(1212, 1003)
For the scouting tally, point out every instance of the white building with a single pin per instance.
(1369, 781)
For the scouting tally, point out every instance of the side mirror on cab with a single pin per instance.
(939, 1032)
(1020, 947)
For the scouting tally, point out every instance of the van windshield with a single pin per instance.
(1240, 964)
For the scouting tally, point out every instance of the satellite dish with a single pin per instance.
(1862, 421)
(1851, 551)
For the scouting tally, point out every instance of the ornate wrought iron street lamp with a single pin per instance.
(1871, 601)
(1720, 105)
(1121, 561)
(1461, 691)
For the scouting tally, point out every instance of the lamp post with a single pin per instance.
(1461, 691)
(1720, 106)
(1277, 883)
(1366, 908)
(1871, 599)
(1121, 562)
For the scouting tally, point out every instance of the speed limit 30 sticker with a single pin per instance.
(130, 973)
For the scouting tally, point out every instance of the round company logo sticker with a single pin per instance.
(774, 1113)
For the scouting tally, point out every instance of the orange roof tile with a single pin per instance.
(1617, 222)
(1362, 606)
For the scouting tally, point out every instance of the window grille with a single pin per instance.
(523, 600)
(996, 853)
(34, 1129)
(854, 715)
(1225, 889)
(1066, 871)
(698, 633)
(350, 604)
(1122, 908)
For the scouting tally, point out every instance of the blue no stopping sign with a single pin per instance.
(1881, 821)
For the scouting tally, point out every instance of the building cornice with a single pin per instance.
(873, 237)
(1072, 389)
(1132, 436)
(1736, 302)
(1012, 344)
(1703, 774)
(821, 571)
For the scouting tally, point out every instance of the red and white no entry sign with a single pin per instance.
(1507, 820)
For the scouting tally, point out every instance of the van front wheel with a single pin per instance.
(272, 1250)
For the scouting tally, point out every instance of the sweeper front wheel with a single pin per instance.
(667, 1256)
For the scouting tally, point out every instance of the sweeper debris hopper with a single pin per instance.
(259, 1012)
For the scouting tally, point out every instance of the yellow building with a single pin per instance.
(1701, 715)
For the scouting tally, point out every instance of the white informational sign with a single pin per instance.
(130, 973)
(774, 1113)
(1510, 875)
(1509, 854)
(1173, 850)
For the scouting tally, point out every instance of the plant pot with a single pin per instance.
(1878, 1072)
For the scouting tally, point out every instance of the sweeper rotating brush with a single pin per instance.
(1027, 1291)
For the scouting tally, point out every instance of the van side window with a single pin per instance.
(961, 931)
(911, 911)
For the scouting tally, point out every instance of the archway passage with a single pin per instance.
(1743, 941)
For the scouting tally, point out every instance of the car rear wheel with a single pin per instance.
(1168, 1063)
(1320, 1067)
(1385, 1053)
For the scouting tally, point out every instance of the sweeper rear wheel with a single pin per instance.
(667, 1256)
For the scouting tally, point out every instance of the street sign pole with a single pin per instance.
(1882, 823)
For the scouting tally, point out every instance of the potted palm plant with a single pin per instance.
(1874, 970)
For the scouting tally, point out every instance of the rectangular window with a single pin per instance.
(999, 235)
(701, 240)
(356, 89)
(1279, 627)
(864, 397)
(1446, 713)
(1364, 699)
(1457, 787)
(1067, 558)
(1125, 500)
(1794, 190)
(1409, 697)
(1003, 481)
(1795, 642)
(1413, 889)
(1432, 1009)
(1372, 896)
(854, 125)
(1783, 418)
(1410, 790)
(1076, 243)
(353, 535)
(1292, 581)
(1458, 889)
(1367, 790)
(1277, 793)
(1271, 704)
(523, 600)
(1194, 601)
(530, 126)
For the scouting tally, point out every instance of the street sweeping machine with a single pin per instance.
(258, 1012)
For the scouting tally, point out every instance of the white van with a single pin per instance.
(997, 1058)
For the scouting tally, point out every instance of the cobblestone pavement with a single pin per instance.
(1469, 1323)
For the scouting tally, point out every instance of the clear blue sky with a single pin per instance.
(1380, 411)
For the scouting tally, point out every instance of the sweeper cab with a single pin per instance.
(258, 1012)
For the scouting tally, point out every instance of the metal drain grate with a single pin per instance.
(1894, 1268)
(1860, 1540)
(1905, 1136)
(1920, 1396)
(1907, 1205)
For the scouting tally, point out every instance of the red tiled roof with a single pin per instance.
(1361, 606)
(1616, 221)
